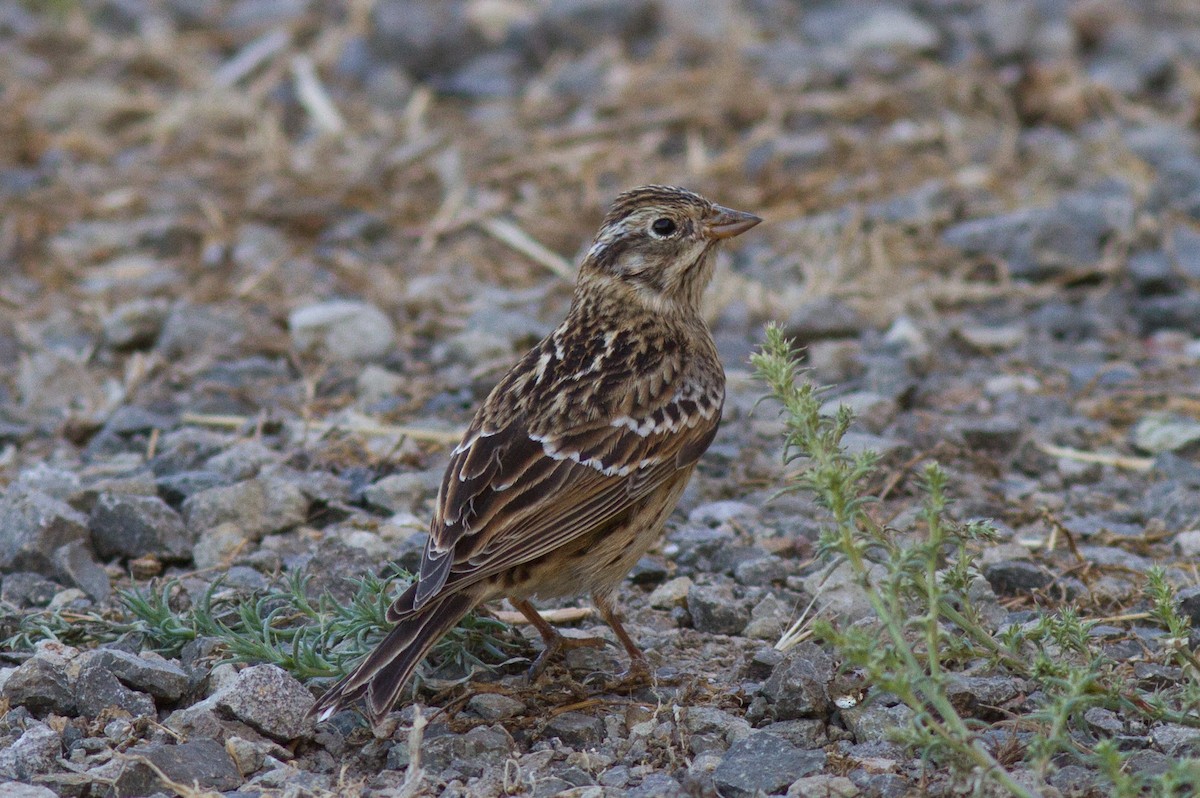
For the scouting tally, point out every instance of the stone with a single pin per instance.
(577, 729)
(670, 594)
(763, 763)
(36, 524)
(1016, 577)
(216, 547)
(768, 620)
(40, 685)
(135, 324)
(821, 319)
(893, 28)
(714, 610)
(1156, 433)
(270, 700)
(1175, 740)
(149, 672)
(839, 592)
(825, 786)
(97, 689)
(471, 753)
(997, 434)
(400, 492)
(1037, 243)
(872, 410)
(798, 687)
(1188, 600)
(202, 763)
(243, 460)
(981, 696)
(15, 789)
(24, 589)
(138, 526)
(760, 571)
(342, 330)
(259, 506)
(872, 722)
(494, 706)
(74, 564)
(33, 754)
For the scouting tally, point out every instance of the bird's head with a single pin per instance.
(657, 242)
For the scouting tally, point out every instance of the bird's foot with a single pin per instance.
(557, 645)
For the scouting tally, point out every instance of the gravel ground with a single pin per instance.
(260, 259)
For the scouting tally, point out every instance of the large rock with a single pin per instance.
(799, 685)
(269, 699)
(33, 525)
(1037, 243)
(258, 506)
(136, 526)
(148, 673)
(33, 754)
(763, 764)
(343, 330)
(201, 763)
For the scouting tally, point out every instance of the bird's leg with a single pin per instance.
(554, 641)
(639, 666)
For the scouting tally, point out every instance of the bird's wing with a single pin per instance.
(511, 495)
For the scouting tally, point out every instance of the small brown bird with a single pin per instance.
(568, 472)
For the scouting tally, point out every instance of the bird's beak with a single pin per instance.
(727, 223)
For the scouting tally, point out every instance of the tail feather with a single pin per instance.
(381, 677)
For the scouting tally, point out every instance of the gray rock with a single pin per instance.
(342, 330)
(202, 763)
(97, 689)
(423, 38)
(137, 526)
(839, 592)
(217, 546)
(769, 618)
(799, 685)
(40, 686)
(996, 434)
(872, 410)
(24, 589)
(577, 729)
(654, 785)
(195, 329)
(33, 754)
(1156, 433)
(1188, 599)
(1037, 243)
(149, 673)
(803, 733)
(243, 460)
(763, 763)
(35, 524)
(760, 571)
(714, 610)
(893, 28)
(269, 699)
(578, 24)
(981, 696)
(1016, 577)
(135, 324)
(259, 506)
(15, 789)
(74, 564)
(1151, 273)
(177, 487)
(821, 319)
(1176, 741)
(494, 706)
(873, 722)
(471, 754)
(400, 492)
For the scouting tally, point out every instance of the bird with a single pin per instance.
(569, 470)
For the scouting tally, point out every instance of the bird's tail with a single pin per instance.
(382, 675)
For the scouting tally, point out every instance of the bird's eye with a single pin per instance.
(663, 227)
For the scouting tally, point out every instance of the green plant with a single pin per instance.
(918, 582)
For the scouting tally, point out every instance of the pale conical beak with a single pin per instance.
(727, 223)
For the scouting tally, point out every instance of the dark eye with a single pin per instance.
(663, 227)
